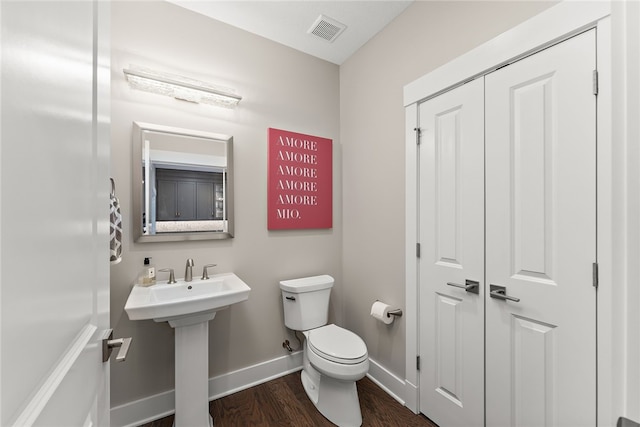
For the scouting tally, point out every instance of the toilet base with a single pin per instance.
(311, 385)
(336, 400)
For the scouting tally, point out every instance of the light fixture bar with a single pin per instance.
(180, 87)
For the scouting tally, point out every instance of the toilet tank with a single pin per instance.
(306, 302)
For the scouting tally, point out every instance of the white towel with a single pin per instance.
(116, 227)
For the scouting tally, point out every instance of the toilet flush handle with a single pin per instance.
(291, 298)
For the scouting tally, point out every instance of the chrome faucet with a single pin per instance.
(172, 276)
(205, 274)
(188, 271)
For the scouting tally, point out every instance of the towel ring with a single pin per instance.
(113, 187)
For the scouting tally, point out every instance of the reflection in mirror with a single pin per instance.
(182, 184)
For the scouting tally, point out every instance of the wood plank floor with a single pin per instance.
(283, 402)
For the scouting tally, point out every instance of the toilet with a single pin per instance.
(333, 358)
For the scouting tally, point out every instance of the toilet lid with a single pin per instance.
(337, 344)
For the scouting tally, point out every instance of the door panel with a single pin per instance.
(204, 200)
(448, 361)
(54, 216)
(534, 353)
(167, 200)
(531, 195)
(186, 200)
(451, 232)
(540, 238)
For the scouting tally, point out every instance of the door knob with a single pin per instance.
(500, 292)
(470, 286)
(108, 344)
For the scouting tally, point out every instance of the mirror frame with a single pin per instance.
(137, 190)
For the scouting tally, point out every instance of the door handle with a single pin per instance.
(108, 344)
(470, 286)
(500, 292)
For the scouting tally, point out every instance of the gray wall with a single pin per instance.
(282, 88)
(359, 105)
(427, 35)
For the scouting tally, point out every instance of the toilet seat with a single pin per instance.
(338, 345)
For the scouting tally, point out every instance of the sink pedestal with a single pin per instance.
(192, 371)
(188, 306)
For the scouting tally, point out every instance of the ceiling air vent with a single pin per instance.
(326, 28)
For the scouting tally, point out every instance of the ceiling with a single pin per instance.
(288, 22)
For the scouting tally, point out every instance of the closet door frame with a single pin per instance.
(549, 27)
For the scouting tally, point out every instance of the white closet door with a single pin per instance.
(541, 238)
(452, 236)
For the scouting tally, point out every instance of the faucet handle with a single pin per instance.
(172, 276)
(205, 276)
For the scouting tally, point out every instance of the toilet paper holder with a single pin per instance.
(397, 312)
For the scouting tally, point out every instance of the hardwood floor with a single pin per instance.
(283, 402)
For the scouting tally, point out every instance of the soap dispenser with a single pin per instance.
(148, 274)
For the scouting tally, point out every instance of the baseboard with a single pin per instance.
(387, 381)
(144, 410)
(411, 397)
(245, 378)
(163, 404)
(160, 405)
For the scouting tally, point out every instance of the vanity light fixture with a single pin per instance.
(180, 87)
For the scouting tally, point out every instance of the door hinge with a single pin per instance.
(595, 82)
(596, 276)
(418, 250)
(418, 363)
(418, 135)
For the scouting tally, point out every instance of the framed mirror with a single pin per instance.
(182, 184)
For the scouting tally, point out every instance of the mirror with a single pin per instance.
(182, 184)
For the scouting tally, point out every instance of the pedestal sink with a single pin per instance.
(188, 307)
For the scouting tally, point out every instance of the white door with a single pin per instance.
(541, 238)
(54, 213)
(452, 256)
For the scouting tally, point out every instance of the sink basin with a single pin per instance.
(197, 299)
